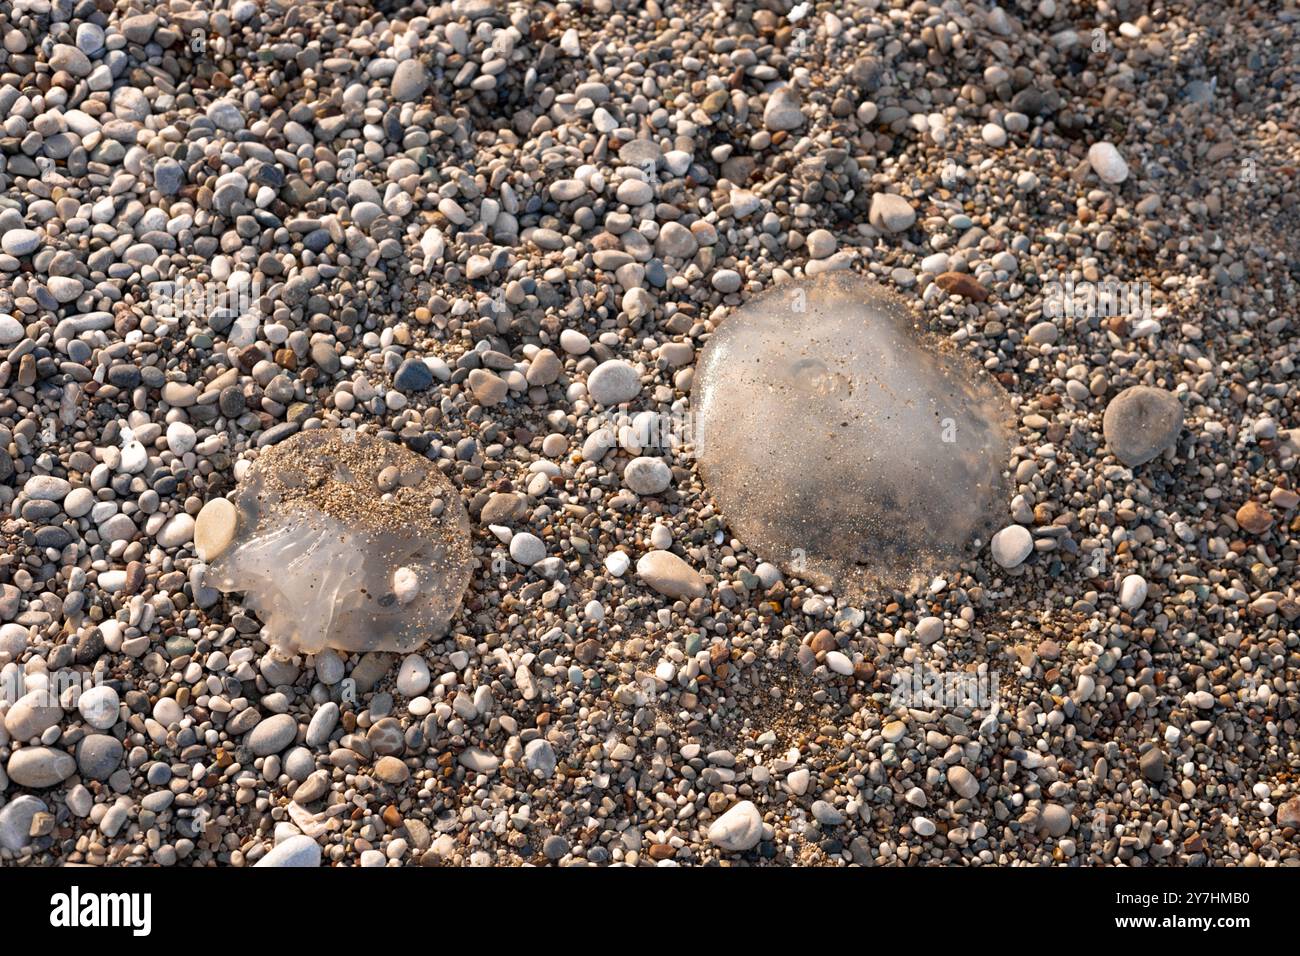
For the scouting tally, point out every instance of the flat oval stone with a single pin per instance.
(40, 767)
(31, 715)
(214, 528)
(670, 575)
(294, 851)
(613, 383)
(272, 735)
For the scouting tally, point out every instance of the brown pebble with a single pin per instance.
(822, 641)
(134, 577)
(391, 770)
(963, 284)
(1253, 518)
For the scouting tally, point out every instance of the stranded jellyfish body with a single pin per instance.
(840, 442)
(346, 541)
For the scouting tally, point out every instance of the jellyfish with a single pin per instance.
(343, 540)
(844, 444)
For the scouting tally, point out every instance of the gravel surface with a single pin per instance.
(500, 234)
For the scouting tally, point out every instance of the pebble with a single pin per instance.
(16, 821)
(1043, 333)
(46, 488)
(821, 244)
(739, 829)
(929, 630)
(1012, 545)
(413, 376)
(539, 757)
(391, 770)
(839, 663)
(783, 110)
(1132, 592)
(322, 724)
(99, 706)
(613, 383)
(1288, 814)
(98, 755)
(527, 549)
(181, 438)
(1253, 518)
(1056, 819)
(1107, 163)
(1140, 423)
(963, 782)
(294, 851)
(178, 530)
(675, 241)
(670, 575)
(826, 814)
(40, 767)
(272, 735)
(20, 242)
(993, 135)
(488, 389)
(11, 330)
(647, 476)
(574, 342)
(479, 760)
(225, 113)
(214, 529)
(410, 80)
(406, 585)
(31, 715)
(555, 848)
(963, 284)
(891, 213)
(545, 368)
(413, 676)
(1152, 765)
(797, 781)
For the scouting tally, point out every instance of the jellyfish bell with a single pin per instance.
(329, 554)
(844, 444)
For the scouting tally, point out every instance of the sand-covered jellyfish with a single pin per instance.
(844, 444)
(343, 540)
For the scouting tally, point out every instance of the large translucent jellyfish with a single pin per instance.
(346, 541)
(843, 444)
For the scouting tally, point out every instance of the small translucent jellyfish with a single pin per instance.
(346, 541)
(843, 444)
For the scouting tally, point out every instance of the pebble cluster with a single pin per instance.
(500, 234)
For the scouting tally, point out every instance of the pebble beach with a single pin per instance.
(501, 235)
